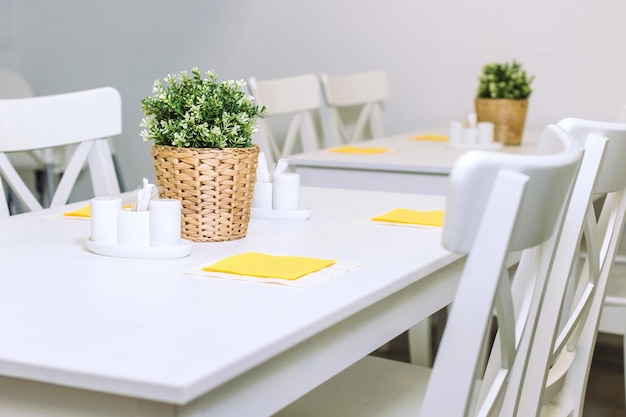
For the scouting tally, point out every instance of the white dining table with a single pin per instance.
(87, 335)
(408, 165)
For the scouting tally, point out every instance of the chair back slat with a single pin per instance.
(69, 119)
(17, 184)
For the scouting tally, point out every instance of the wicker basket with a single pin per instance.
(214, 186)
(508, 117)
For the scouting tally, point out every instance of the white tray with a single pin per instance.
(484, 146)
(150, 252)
(285, 215)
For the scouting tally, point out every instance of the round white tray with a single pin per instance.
(484, 146)
(285, 215)
(150, 252)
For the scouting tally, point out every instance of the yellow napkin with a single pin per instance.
(432, 138)
(357, 149)
(401, 215)
(268, 266)
(82, 212)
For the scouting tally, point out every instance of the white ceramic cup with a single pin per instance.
(104, 219)
(165, 222)
(454, 133)
(485, 132)
(286, 192)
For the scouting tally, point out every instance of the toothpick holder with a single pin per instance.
(133, 228)
(262, 196)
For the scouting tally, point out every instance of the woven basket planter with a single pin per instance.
(214, 187)
(508, 117)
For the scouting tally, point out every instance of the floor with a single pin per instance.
(605, 391)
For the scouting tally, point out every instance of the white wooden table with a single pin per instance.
(88, 335)
(409, 165)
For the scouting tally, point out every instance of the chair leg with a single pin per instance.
(118, 172)
(45, 184)
(624, 366)
(50, 184)
(420, 343)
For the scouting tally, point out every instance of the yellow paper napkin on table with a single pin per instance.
(357, 149)
(432, 138)
(407, 216)
(82, 212)
(268, 266)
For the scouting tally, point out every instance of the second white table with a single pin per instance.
(409, 165)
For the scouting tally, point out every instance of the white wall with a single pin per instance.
(432, 50)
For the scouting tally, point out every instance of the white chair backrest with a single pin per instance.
(85, 118)
(13, 85)
(463, 229)
(297, 97)
(493, 207)
(366, 92)
(562, 347)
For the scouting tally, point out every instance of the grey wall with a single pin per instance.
(432, 50)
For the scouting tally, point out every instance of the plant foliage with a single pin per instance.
(507, 80)
(192, 111)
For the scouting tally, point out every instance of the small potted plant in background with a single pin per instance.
(203, 153)
(502, 99)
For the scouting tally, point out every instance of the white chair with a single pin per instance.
(613, 312)
(14, 85)
(85, 118)
(497, 204)
(561, 346)
(613, 318)
(361, 95)
(296, 98)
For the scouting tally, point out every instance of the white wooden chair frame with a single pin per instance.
(86, 119)
(560, 351)
(369, 91)
(613, 317)
(297, 96)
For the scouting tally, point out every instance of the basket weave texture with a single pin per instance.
(214, 187)
(507, 115)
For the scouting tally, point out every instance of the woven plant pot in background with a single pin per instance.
(214, 187)
(507, 115)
